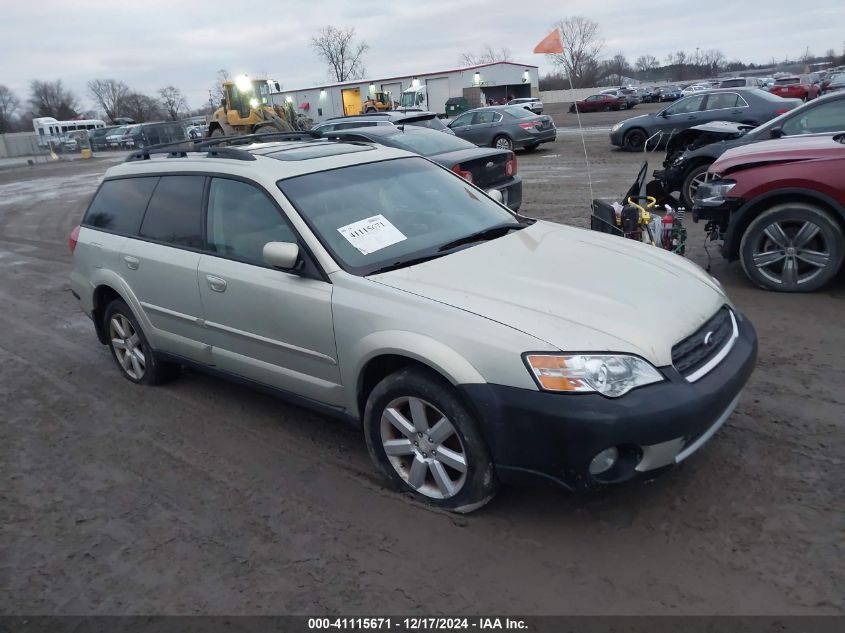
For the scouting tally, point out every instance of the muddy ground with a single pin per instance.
(205, 497)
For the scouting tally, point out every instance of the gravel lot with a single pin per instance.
(205, 497)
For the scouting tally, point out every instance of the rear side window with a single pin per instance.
(174, 215)
(119, 205)
(432, 124)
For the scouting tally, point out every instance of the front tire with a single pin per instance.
(426, 442)
(634, 141)
(130, 349)
(502, 142)
(217, 132)
(693, 180)
(792, 247)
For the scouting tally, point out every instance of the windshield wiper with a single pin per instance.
(405, 263)
(486, 234)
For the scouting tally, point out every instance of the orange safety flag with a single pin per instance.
(552, 43)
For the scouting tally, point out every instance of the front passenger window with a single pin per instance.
(828, 117)
(241, 220)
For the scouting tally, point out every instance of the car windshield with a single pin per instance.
(520, 113)
(427, 143)
(388, 214)
(119, 130)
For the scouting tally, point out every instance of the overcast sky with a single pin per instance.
(153, 43)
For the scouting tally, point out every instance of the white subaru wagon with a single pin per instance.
(473, 346)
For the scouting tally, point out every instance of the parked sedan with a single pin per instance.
(599, 103)
(742, 105)
(796, 87)
(529, 103)
(670, 93)
(835, 84)
(779, 206)
(488, 169)
(420, 118)
(690, 153)
(694, 89)
(504, 127)
(629, 97)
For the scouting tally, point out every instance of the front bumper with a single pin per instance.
(617, 137)
(534, 435)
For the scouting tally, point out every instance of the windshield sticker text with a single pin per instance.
(372, 234)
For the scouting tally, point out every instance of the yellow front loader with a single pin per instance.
(246, 109)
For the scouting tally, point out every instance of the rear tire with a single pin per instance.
(792, 247)
(502, 142)
(437, 452)
(131, 351)
(606, 108)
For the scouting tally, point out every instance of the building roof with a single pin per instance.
(370, 81)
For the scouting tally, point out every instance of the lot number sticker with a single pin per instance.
(372, 234)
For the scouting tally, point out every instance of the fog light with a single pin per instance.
(604, 461)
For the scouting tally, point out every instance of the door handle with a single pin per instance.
(215, 283)
(132, 263)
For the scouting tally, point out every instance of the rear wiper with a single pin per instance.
(405, 263)
(478, 236)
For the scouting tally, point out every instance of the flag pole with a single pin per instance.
(580, 128)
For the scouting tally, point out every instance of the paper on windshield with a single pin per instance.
(372, 234)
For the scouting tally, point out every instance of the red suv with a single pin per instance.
(779, 207)
(795, 88)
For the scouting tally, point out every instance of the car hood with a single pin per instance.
(643, 119)
(705, 134)
(575, 289)
(782, 150)
(462, 155)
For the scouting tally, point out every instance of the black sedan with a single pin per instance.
(504, 127)
(493, 170)
(690, 153)
(751, 106)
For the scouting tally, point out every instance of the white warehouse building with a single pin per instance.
(428, 91)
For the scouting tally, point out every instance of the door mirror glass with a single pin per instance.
(281, 255)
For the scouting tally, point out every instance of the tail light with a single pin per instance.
(74, 237)
(466, 175)
(510, 166)
(529, 125)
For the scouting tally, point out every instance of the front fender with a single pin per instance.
(428, 351)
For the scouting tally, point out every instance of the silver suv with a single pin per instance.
(471, 344)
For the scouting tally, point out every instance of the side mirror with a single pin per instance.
(776, 132)
(281, 255)
(664, 114)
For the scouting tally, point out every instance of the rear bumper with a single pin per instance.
(511, 191)
(532, 138)
(536, 435)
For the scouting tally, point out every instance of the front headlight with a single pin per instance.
(616, 126)
(713, 193)
(611, 375)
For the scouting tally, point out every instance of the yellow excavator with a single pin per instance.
(246, 108)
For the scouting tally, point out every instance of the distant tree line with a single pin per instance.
(112, 96)
(584, 63)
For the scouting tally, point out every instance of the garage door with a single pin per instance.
(438, 93)
(395, 90)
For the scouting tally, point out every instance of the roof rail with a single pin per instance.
(180, 149)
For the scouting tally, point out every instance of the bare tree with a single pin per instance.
(617, 67)
(109, 93)
(830, 55)
(341, 53)
(647, 63)
(807, 57)
(488, 55)
(141, 107)
(216, 92)
(582, 47)
(9, 106)
(713, 59)
(50, 98)
(173, 101)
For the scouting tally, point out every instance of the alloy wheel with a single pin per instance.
(791, 252)
(502, 143)
(127, 346)
(423, 447)
(699, 180)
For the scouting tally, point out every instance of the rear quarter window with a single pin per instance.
(119, 205)
(174, 215)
